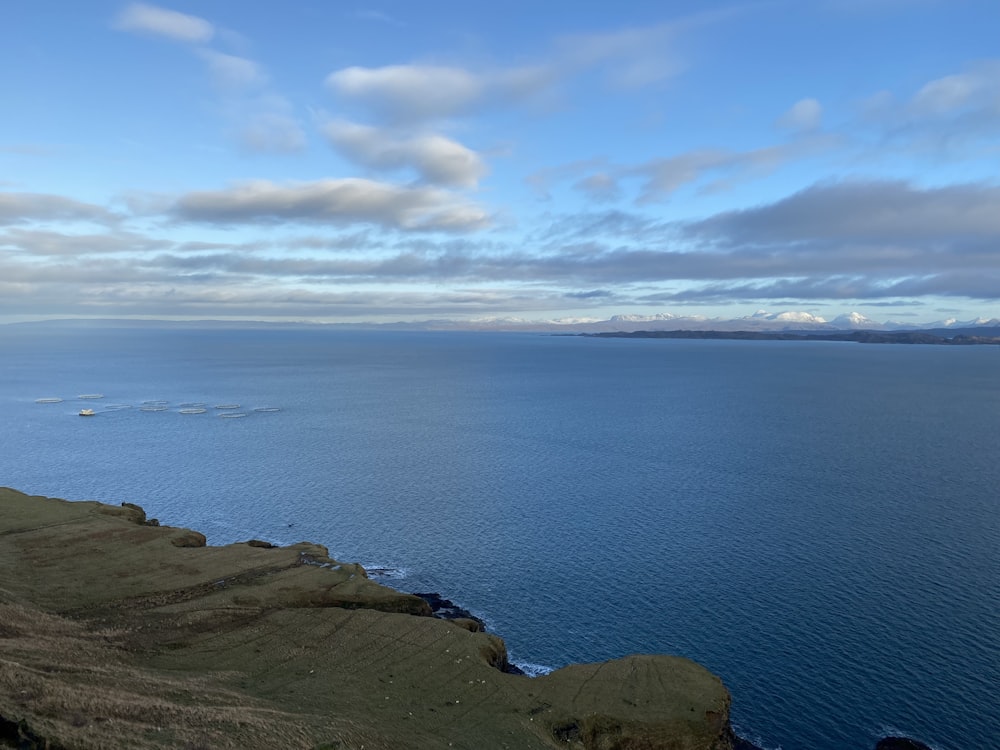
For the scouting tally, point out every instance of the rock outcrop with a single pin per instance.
(115, 633)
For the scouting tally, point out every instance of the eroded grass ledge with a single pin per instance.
(116, 632)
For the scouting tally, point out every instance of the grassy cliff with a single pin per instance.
(116, 632)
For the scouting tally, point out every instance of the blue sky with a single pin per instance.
(336, 161)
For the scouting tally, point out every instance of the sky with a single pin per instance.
(337, 161)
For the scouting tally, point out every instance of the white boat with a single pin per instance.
(86, 412)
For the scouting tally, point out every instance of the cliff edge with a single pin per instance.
(117, 632)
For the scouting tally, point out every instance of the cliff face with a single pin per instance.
(115, 633)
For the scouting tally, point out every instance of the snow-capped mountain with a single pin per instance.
(761, 320)
(974, 323)
(854, 321)
(643, 318)
(790, 316)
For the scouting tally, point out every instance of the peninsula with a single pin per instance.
(861, 337)
(119, 632)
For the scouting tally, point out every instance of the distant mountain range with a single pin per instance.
(991, 337)
(789, 321)
(760, 321)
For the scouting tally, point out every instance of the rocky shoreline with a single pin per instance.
(120, 632)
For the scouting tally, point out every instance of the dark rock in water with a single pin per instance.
(509, 668)
(383, 572)
(446, 609)
(900, 743)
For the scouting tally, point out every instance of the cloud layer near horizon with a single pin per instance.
(844, 240)
(413, 179)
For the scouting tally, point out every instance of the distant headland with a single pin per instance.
(992, 337)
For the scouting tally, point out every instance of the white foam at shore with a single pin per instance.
(385, 571)
(533, 670)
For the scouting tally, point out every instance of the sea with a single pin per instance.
(817, 523)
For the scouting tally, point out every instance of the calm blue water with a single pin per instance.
(817, 523)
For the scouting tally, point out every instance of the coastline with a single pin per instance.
(117, 631)
(858, 337)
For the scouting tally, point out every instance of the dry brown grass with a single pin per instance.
(81, 687)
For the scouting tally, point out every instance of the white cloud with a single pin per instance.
(805, 114)
(957, 115)
(664, 176)
(890, 213)
(268, 132)
(629, 58)
(410, 92)
(438, 160)
(262, 120)
(710, 169)
(43, 242)
(416, 93)
(541, 180)
(948, 94)
(151, 19)
(877, 240)
(20, 208)
(266, 125)
(335, 201)
(599, 187)
(232, 72)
